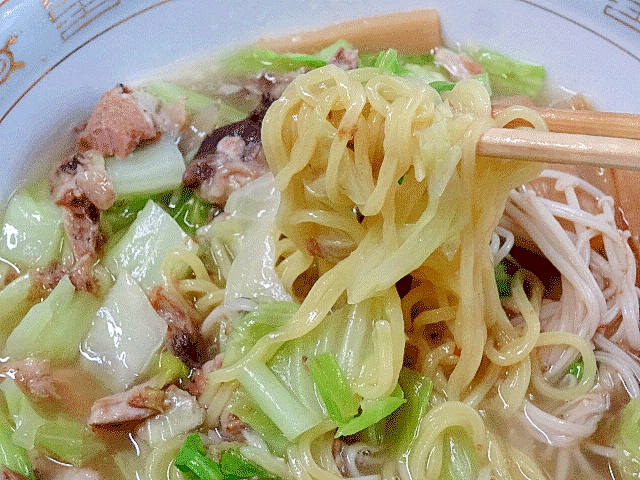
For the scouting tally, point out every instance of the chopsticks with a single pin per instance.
(598, 139)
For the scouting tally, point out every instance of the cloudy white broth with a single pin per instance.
(297, 267)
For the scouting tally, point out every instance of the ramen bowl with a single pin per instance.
(57, 57)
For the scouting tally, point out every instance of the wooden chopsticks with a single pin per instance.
(576, 137)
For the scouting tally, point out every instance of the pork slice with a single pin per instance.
(231, 428)
(119, 122)
(234, 164)
(82, 224)
(183, 337)
(125, 410)
(82, 175)
(198, 381)
(346, 59)
(33, 375)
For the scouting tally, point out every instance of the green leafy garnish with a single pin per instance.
(234, 465)
(401, 179)
(503, 280)
(576, 369)
(402, 426)
(442, 86)
(373, 410)
(389, 62)
(192, 458)
(333, 387)
(184, 206)
(509, 76)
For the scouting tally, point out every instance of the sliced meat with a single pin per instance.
(119, 122)
(234, 164)
(271, 85)
(248, 129)
(126, 409)
(458, 65)
(345, 58)
(83, 187)
(82, 224)
(183, 337)
(6, 474)
(198, 382)
(46, 278)
(34, 375)
(232, 428)
(82, 175)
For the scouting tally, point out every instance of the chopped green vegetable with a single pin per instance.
(266, 318)
(139, 331)
(460, 460)
(166, 369)
(154, 168)
(16, 301)
(13, 456)
(509, 76)
(23, 416)
(234, 465)
(146, 243)
(402, 426)
(628, 441)
(192, 458)
(388, 62)
(169, 93)
(328, 52)
(373, 410)
(258, 59)
(54, 328)
(277, 401)
(503, 279)
(246, 409)
(401, 179)
(576, 368)
(442, 86)
(32, 231)
(333, 387)
(68, 441)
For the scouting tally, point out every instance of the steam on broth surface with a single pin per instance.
(299, 268)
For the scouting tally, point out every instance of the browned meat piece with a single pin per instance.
(233, 165)
(47, 278)
(183, 337)
(345, 59)
(33, 375)
(126, 409)
(270, 85)
(231, 427)
(82, 223)
(6, 474)
(118, 124)
(198, 381)
(82, 186)
(82, 175)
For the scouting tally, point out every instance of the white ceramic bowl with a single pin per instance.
(58, 56)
